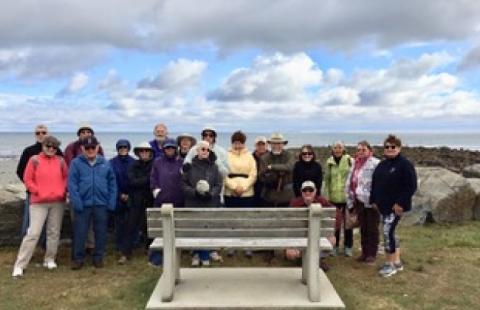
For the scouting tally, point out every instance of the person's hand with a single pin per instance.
(124, 197)
(397, 209)
(155, 192)
(269, 167)
(239, 191)
(292, 254)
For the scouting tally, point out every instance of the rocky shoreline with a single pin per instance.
(448, 188)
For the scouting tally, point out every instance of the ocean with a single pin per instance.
(12, 143)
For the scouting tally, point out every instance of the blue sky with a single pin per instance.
(253, 65)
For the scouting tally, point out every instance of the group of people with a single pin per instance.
(191, 174)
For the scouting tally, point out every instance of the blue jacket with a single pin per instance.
(394, 181)
(92, 185)
(120, 166)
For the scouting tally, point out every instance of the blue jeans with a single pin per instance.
(26, 223)
(81, 223)
(203, 254)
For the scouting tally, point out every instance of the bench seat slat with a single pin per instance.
(243, 243)
(240, 233)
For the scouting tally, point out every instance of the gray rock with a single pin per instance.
(475, 184)
(442, 196)
(472, 171)
(11, 213)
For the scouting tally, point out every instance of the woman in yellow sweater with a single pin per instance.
(241, 178)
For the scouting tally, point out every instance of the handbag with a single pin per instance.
(351, 219)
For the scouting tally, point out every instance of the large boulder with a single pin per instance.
(475, 184)
(442, 197)
(11, 213)
(472, 171)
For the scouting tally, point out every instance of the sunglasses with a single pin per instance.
(307, 153)
(37, 133)
(392, 147)
(51, 146)
(89, 148)
(122, 147)
(204, 149)
(208, 135)
(308, 190)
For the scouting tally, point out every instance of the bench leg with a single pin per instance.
(304, 267)
(178, 262)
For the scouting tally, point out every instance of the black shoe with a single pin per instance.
(89, 251)
(76, 265)
(98, 264)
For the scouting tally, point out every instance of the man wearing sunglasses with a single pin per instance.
(93, 191)
(41, 131)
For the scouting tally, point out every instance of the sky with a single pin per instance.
(295, 66)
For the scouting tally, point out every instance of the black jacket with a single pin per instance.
(28, 152)
(139, 181)
(306, 171)
(201, 170)
(394, 181)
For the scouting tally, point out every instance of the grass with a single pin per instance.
(442, 271)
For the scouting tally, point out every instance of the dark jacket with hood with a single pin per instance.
(306, 171)
(120, 166)
(167, 177)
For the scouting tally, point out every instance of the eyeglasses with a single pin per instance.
(308, 190)
(208, 135)
(37, 133)
(123, 147)
(307, 153)
(51, 146)
(388, 146)
(204, 149)
(89, 147)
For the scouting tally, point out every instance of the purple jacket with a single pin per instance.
(167, 176)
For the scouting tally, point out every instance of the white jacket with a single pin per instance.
(362, 192)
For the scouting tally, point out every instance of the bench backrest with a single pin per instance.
(240, 222)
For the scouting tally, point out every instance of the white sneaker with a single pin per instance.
(17, 272)
(50, 265)
(205, 262)
(195, 260)
(216, 257)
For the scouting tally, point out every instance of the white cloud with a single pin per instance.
(274, 78)
(177, 75)
(78, 82)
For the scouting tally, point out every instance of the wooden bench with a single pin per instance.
(179, 229)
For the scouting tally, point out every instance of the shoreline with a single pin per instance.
(449, 158)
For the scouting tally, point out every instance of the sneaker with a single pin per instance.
(205, 262)
(122, 260)
(195, 260)
(398, 266)
(50, 265)
(249, 254)
(348, 252)
(98, 263)
(216, 257)
(76, 265)
(335, 251)
(17, 272)
(154, 265)
(387, 270)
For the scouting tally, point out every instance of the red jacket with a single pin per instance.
(298, 202)
(46, 178)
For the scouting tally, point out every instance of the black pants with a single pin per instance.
(369, 219)
(136, 221)
(339, 221)
(238, 202)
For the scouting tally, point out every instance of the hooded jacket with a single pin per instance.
(92, 185)
(120, 166)
(167, 177)
(46, 178)
(139, 182)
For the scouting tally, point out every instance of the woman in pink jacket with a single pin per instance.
(46, 179)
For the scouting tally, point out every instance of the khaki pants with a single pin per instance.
(52, 214)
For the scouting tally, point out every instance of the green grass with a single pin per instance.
(442, 271)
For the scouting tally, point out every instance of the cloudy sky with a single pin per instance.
(332, 65)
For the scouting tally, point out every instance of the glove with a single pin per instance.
(204, 197)
(202, 187)
(155, 192)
